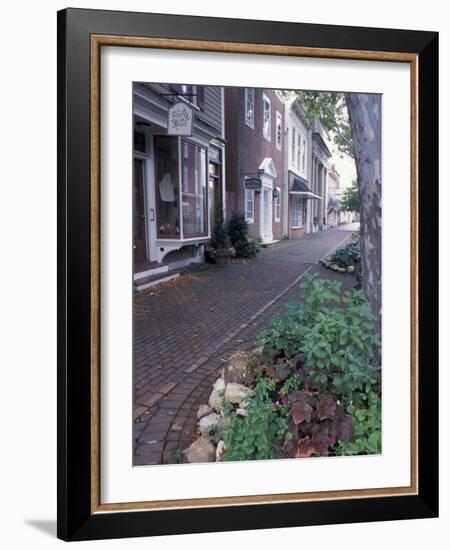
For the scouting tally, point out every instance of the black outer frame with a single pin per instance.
(75, 521)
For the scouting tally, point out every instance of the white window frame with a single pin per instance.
(279, 130)
(304, 156)
(299, 148)
(277, 207)
(250, 122)
(266, 101)
(297, 221)
(293, 140)
(249, 193)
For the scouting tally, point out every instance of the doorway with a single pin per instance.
(139, 222)
(267, 213)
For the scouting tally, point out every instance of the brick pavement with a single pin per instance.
(184, 332)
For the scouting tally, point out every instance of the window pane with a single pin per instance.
(167, 192)
(249, 204)
(266, 121)
(249, 105)
(279, 130)
(194, 190)
(293, 146)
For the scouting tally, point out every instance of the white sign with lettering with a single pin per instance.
(180, 120)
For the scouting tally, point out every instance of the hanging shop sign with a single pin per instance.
(253, 183)
(180, 118)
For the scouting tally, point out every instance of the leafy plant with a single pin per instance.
(178, 454)
(333, 332)
(245, 246)
(291, 384)
(237, 228)
(255, 435)
(248, 248)
(348, 255)
(220, 241)
(317, 422)
(366, 415)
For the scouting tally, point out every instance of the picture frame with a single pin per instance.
(81, 35)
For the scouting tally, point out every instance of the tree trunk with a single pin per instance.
(364, 112)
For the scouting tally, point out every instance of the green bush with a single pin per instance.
(237, 228)
(247, 248)
(348, 255)
(365, 411)
(335, 333)
(220, 241)
(253, 437)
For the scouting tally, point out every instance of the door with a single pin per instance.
(214, 187)
(267, 213)
(139, 227)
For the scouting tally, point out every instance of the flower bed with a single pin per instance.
(308, 390)
(345, 259)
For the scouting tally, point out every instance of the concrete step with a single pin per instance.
(156, 279)
(151, 270)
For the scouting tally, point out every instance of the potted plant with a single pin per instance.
(244, 245)
(221, 247)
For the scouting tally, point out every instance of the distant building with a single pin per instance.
(299, 199)
(320, 155)
(254, 132)
(333, 204)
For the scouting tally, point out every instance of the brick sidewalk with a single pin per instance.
(184, 332)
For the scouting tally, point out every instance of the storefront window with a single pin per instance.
(194, 190)
(297, 212)
(167, 187)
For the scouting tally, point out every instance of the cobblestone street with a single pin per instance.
(184, 331)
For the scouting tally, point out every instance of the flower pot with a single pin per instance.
(222, 261)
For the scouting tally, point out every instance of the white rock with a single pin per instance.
(216, 397)
(208, 423)
(242, 412)
(203, 410)
(237, 393)
(202, 450)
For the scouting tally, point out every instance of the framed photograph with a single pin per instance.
(247, 274)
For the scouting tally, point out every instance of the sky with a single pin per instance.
(346, 168)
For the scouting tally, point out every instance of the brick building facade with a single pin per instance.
(255, 141)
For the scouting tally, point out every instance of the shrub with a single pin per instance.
(365, 411)
(237, 228)
(334, 334)
(348, 255)
(220, 241)
(247, 248)
(254, 436)
(316, 423)
(316, 391)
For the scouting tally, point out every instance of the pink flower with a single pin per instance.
(276, 405)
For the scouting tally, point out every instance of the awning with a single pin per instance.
(300, 187)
